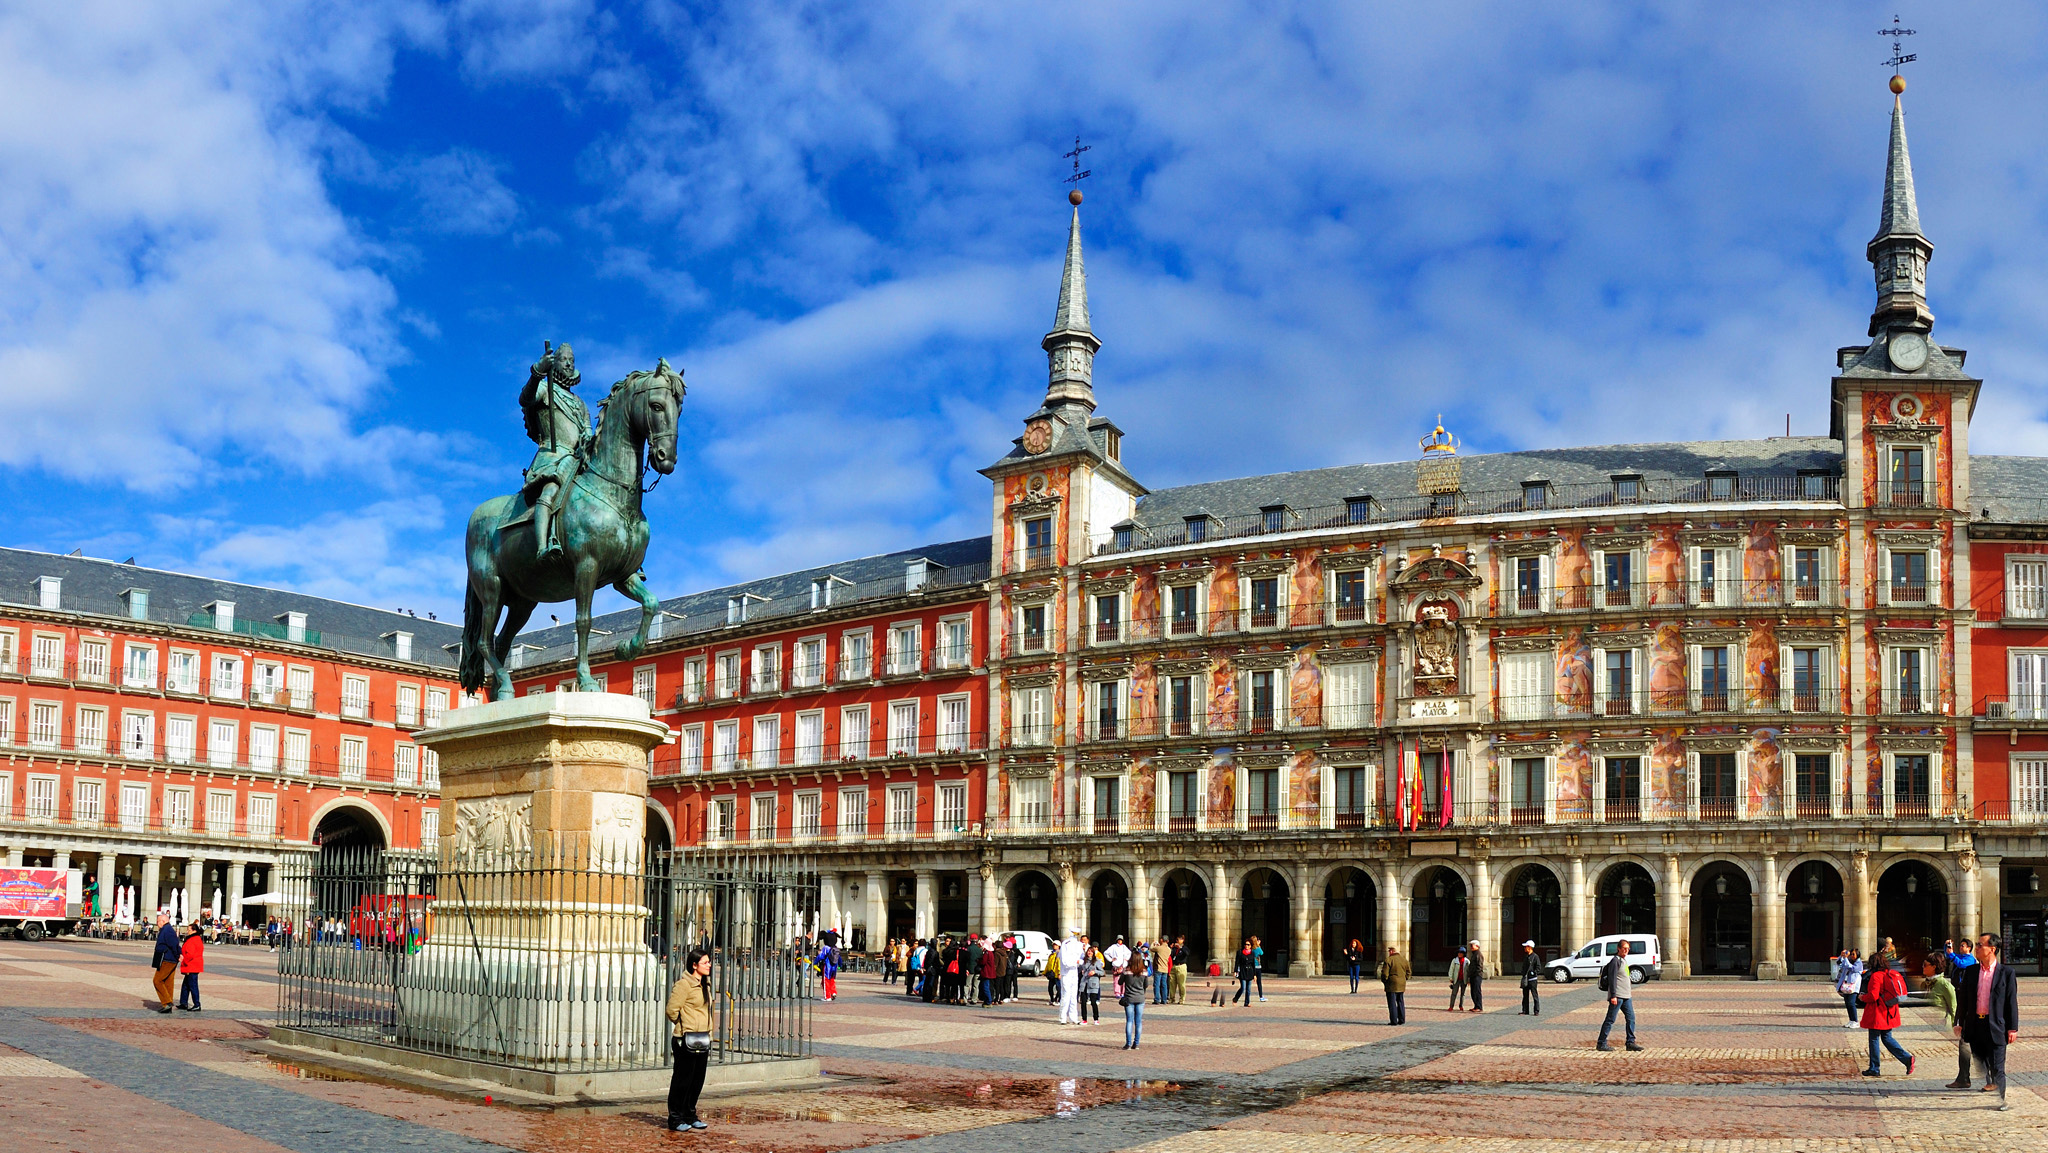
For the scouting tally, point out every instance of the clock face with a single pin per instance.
(1037, 436)
(1908, 351)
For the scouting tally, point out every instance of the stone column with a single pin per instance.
(927, 915)
(1578, 915)
(1070, 900)
(1222, 944)
(196, 894)
(1301, 958)
(1972, 889)
(1143, 907)
(983, 914)
(236, 878)
(1860, 894)
(107, 882)
(14, 856)
(1671, 919)
(877, 894)
(828, 904)
(1771, 924)
(149, 896)
(1393, 912)
(60, 859)
(1991, 891)
(1485, 904)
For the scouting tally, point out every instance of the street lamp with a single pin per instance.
(1721, 885)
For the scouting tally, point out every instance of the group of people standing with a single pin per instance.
(1977, 993)
(976, 970)
(177, 952)
(1082, 970)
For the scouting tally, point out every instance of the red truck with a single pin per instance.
(32, 902)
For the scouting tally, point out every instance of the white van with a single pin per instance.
(1033, 948)
(1645, 959)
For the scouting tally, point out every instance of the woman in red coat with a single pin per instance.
(1883, 989)
(192, 962)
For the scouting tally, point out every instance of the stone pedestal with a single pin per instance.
(536, 953)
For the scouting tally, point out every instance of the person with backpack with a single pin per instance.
(1621, 1000)
(828, 971)
(1883, 990)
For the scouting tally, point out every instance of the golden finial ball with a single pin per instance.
(1898, 85)
(1074, 197)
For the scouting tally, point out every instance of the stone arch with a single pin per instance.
(1915, 898)
(1439, 924)
(1187, 916)
(1345, 901)
(1265, 909)
(1109, 906)
(1817, 903)
(1723, 923)
(1526, 916)
(1625, 895)
(1689, 873)
(1405, 878)
(668, 822)
(1040, 912)
(357, 810)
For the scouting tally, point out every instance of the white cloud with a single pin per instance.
(372, 555)
(459, 192)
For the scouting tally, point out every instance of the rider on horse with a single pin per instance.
(558, 422)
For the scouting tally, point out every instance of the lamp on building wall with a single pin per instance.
(1265, 889)
(2033, 881)
(952, 888)
(1032, 894)
(1535, 890)
(1185, 890)
(1912, 883)
(1350, 889)
(1437, 890)
(902, 888)
(1109, 890)
(1813, 883)
(853, 890)
(1628, 885)
(1721, 885)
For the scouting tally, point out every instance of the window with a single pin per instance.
(430, 825)
(1809, 681)
(1627, 489)
(1347, 695)
(1259, 702)
(1527, 789)
(1031, 802)
(430, 768)
(50, 593)
(1032, 627)
(902, 811)
(1912, 775)
(46, 657)
(1183, 602)
(8, 641)
(1717, 785)
(1108, 803)
(405, 763)
(693, 680)
(355, 758)
(1122, 538)
(853, 813)
(1814, 777)
(6, 720)
(1908, 578)
(1528, 584)
(1109, 618)
(138, 671)
(691, 754)
(1108, 709)
(810, 662)
(761, 821)
(134, 805)
(855, 656)
(266, 686)
(93, 661)
(181, 739)
(298, 751)
(1906, 681)
(1180, 706)
(1349, 589)
(227, 677)
(903, 728)
(1038, 542)
(853, 733)
(1273, 518)
(42, 799)
(1525, 693)
(181, 673)
(725, 746)
(1720, 486)
(954, 650)
(1624, 788)
(1351, 801)
(1198, 529)
(1620, 579)
(355, 697)
(87, 802)
(1713, 679)
(643, 687)
(92, 730)
(1535, 494)
(299, 683)
(220, 811)
(45, 724)
(1265, 602)
(1907, 484)
(728, 675)
(1033, 716)
(2026, 588)
(2029, 686)
(808, 823)
(903, 650)
(1618, 682)
(1807, 576)
(220, 744)
(718, 820)
(810, 738)
(1262, 798)
(952, 818)
(767, 747)
(1358, 509)
(263, 748)
(953, 724)
(1183, 802)
(1714, 576)
(767, 669)
(1813, 486)
(178, 809)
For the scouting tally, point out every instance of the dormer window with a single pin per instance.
(1535, 494)
(1628, 488)
(50, 592)
(1720, 486)
(1813, 485)
(1273, 518)
(1358, 509)
(1123, 537)
(1198, 529)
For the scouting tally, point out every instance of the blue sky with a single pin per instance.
(273, 272)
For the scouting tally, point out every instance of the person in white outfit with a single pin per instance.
(1117, 954)
(1071, 952)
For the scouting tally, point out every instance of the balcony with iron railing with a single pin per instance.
(2015, 712)
(1905, 494)
(881, 750)
(1664, 703)
(1913, 701)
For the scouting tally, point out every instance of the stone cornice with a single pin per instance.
(1034, 594)
(1534, 546)
(1109, 672)
(1105, 585)
(1182, 668)
(1265, 568)
(1547, 642)
(1185, 575)
(1350, 656)
(1033, 680)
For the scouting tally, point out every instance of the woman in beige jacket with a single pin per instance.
(689, 1010)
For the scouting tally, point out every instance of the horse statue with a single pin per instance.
(602, 534)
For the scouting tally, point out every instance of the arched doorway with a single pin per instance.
(1912, 909)
(1184, 912)
(1035, 903)
(1721, 920)
(1627, 902)
(1438, 929)
(1813, 917)
(1533, 911)
(655, 884)
(350, 830)
(1109, 909)
(1268, 915)
(350, 864)
(1350, 911)
(255, 883)
(901, 921)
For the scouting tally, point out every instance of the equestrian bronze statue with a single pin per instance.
(575, 524)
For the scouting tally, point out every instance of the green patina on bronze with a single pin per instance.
(575, 524)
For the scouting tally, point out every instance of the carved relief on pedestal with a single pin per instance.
(494, 831)
(618, 830)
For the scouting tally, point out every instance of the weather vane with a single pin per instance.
(1898, 58)
(1080, 173)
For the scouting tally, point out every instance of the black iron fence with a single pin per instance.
(556, 963)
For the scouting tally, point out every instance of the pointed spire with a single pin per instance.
(1071, 345)
(1900, 251)
(1072, 313)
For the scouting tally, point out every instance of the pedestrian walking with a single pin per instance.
(1258, 968)
(1475, 976)
(1071, 952)
(1621, 1000)
(1849, 979)
(1883, 989)
(191, 962)
(1457, 982)
(1132, 998)
(934, 971)
(1177, 988)
(828, 970)
(1247, 971)
(1052, 975)
(1532, 981)
(165, 960)
(1091, 987)
(1393, 973)
(1988, 1012)
(1354, 961)
(689, 1015)
(913, 979)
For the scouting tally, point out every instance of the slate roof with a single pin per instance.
(787, 594)
(1678, 464)
(92, 585)
(2013, 488)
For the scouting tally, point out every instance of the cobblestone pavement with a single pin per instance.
(1734, 1066)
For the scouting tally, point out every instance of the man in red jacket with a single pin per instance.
(192, 962)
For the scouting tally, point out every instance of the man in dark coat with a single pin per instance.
(1475, 973)
(1394, 974)
(1988, 1011)
(1532, 981)
(165, 960)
